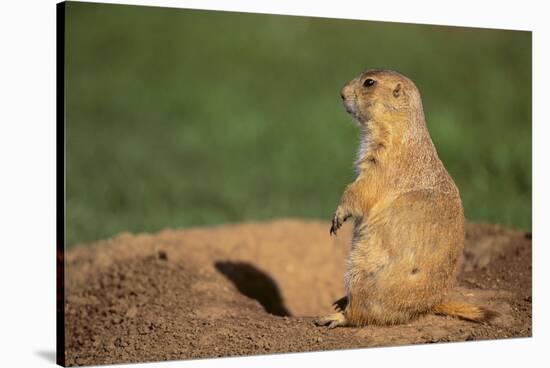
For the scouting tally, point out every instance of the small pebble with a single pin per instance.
(163, 255)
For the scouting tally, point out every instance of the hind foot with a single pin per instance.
(332, 320)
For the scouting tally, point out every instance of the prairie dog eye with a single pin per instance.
(369, 82)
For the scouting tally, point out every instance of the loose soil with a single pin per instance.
(255, 288)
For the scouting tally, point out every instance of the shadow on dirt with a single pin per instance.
(255, 284)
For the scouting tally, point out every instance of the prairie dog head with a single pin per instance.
(380, 96)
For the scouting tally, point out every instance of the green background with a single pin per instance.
(178, 118)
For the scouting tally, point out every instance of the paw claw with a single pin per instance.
(340, 304)
(336, 224)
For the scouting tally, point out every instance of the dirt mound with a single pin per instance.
(255, 288)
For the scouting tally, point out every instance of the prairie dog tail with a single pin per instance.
(465, 311)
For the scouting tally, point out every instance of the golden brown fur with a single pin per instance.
(408, 218)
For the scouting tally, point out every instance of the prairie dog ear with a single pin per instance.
(397, 90)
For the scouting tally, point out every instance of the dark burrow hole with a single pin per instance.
(255, 284)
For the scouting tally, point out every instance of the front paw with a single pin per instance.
(336, 224)
(337, 221)
(341, 304)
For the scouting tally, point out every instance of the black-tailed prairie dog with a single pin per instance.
(408, 233)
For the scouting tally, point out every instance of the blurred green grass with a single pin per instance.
(179, 118)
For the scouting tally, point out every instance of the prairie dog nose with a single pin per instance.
(345, 92)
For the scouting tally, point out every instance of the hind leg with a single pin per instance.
(332, 320)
